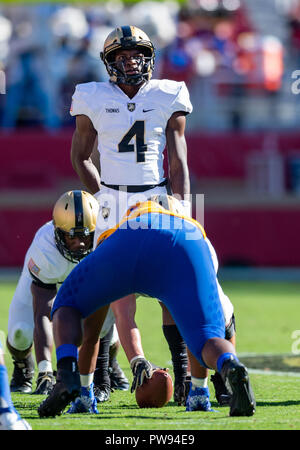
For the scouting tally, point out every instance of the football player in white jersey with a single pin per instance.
(56, 249)
(134, 118)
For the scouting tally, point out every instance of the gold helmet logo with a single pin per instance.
(128, 38)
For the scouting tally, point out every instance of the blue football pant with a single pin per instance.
(160, 263)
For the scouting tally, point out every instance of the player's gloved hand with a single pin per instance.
(141, 368)
(181, 391)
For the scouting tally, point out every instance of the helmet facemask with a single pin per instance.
(116, 70)
(73, 256)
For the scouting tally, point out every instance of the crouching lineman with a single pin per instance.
(160, 253)
(56, 249)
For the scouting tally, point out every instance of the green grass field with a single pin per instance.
(267, 313)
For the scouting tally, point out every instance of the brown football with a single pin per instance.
(156, 391)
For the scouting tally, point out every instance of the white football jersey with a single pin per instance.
(44, 260)
(131, 132)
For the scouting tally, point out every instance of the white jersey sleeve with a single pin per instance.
(81, 100)
(180, 100)
(43, 259)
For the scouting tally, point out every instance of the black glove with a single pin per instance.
(181, 391)
(141, 368)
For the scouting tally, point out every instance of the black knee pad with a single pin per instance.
(230, 329)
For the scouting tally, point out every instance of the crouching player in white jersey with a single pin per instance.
(134, 118)
(56, 249)
(171, 261)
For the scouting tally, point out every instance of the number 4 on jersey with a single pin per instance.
(137, 130)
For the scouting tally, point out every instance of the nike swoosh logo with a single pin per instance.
(147, 110)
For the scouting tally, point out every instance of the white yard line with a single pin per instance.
(269, 372)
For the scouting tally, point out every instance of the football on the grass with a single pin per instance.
(155, 392)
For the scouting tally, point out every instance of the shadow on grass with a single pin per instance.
(169, 413)
(145, 417)
(280, 403)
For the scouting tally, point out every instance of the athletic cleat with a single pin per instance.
(44, 383)
(102, 393)
(236, 378)
(221, 392)
(86, 403)
(22, 376)
(66, 389)
(117, 377)
(198, 399)
(181, 391)
(10, 419)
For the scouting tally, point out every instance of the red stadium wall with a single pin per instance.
(44, 157)
(255, 237)
(34, 163)
(239, 237)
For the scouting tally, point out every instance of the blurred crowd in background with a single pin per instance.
(236, 56)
